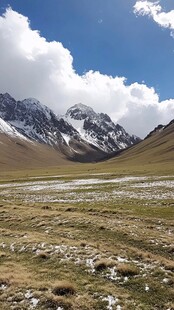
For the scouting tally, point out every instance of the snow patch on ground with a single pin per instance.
(111, 301)
(32, 300)
(146, 288)
(91, 189)
(3, 287)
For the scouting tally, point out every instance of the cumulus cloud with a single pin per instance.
(154, 10)
(33, 67)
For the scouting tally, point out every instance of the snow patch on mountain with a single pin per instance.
(66, 138)
(10, 130)
(79, 126)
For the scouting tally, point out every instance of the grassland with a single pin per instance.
(87, 237)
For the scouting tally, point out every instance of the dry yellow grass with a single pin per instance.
(63, 288)
(114, 247)
(128, 270)
(75, 246)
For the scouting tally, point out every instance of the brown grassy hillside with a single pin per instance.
(17, 154)
(157, 148)
(156, 153)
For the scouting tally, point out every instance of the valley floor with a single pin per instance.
(88, 241)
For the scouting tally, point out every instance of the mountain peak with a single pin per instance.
(80, 111)
(81, 106)
(6, 97)
(33, 104)
(98, 129)
(31, 101)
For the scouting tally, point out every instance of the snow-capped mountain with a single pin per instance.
(98, 129)
(80, 133)
(34, 120)
(38, 123)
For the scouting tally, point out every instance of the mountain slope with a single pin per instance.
(9, 130)
(33, 120)
(158, 147)
(18, 153)
(98, 129)
(38, 123)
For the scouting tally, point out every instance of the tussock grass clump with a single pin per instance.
(159, 273)
(103, 264)
(64, 288)
(171, 250)
(169, 266)
(43, 255)
(83, 244)
(2, 255)
(170, 281)
(54, 302)
(102, 227)
(46, 208)
(42, 288)
(127, 270)
(4, 281)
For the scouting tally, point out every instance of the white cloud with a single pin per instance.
(33, 67)
(154, 10)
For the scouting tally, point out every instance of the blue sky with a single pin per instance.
(106, 36)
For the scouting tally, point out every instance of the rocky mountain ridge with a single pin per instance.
(159, 128)
(99, 129)
(80, 130)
